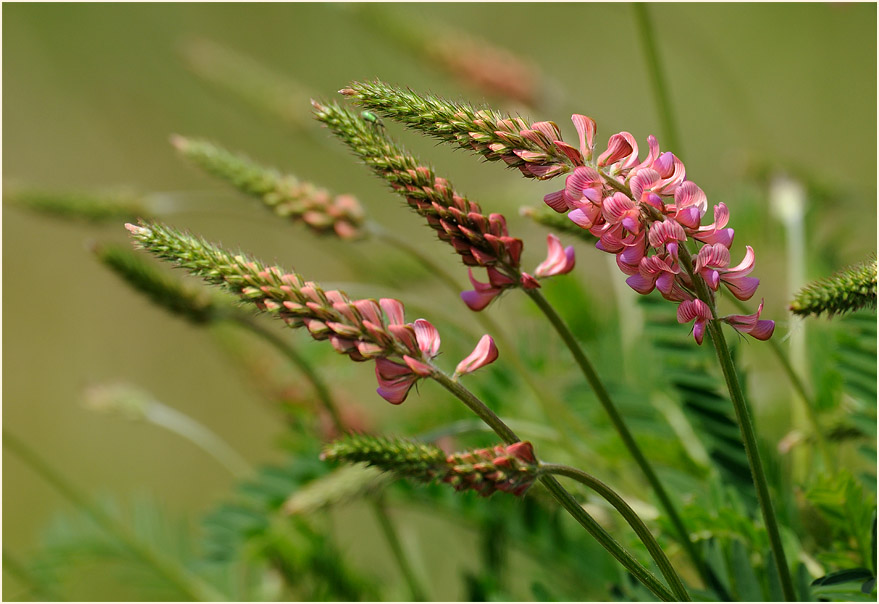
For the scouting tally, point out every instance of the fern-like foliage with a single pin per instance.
(685, 368)
(254, 528)
(852, 288)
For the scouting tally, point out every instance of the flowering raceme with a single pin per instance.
(644, 212)
(361, 329)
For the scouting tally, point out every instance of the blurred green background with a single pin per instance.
(92, 92)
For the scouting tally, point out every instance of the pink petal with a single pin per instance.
(476, 301)
(584, 217)
(393, 310)
(643, 179)
(558, 261)
(699, 331)
(712, 256)
(427, 336)
(641, 284)
(556, 201)
(572, 154)
(741, 287)
(586, 132)
(417, 367)
(763, 330)
(617, 148)
(394, 380)
(485, 353)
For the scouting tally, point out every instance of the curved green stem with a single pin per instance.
(390, 533)
(189, 584)
(326, 398)
(316, 381)
(555, 411)
(620, 426)
(634, 521)
(558, 491)
(746, 425)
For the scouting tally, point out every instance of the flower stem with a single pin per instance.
(746, 425)
(326, 398)
(188, 583)
(657, 76)
(558, 491)
(749, 437)
(800, 387)
(621, 428)
(631, 518)
(393, 540)
(316, 381)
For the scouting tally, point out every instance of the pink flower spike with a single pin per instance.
(558, 261)
(394, 380)
(761, 329)
(586, 131)
(427, 336)
(698, 310)
(484, 354)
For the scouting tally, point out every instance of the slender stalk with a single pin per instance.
(746, 425)
(800, 387)
(555, 411)
(657, 76)
(620, 425)
(558, 491)
(316, 381)
(189, 584)
(326, 398)
(181, 424)
(631, 518)
(393, 540)
(35, 587)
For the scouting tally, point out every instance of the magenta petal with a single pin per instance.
(763, 330)
(556, 201)
(394, 380)
(427, 336)
(485, 353)
(476, 301)
(741, 287)
(699, 331)
(580, 218)
(641, 284)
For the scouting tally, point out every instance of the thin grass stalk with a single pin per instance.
(191, 585)
(324, 394)
(393, 539)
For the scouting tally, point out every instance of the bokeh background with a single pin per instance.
(93, 91)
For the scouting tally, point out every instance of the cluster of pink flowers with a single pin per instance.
(643, 211)
(559, 260)
(423, 340)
